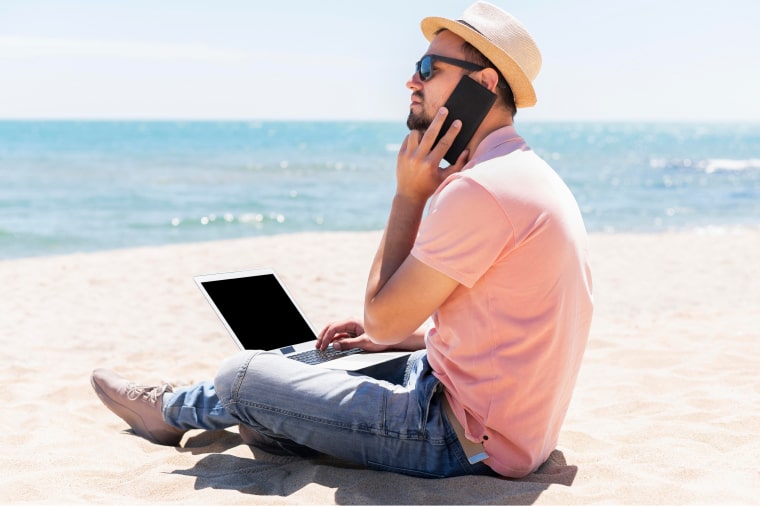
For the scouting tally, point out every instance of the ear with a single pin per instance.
(489, 78)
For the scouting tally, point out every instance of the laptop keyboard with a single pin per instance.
(318, 356)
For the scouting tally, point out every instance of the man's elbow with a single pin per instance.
(380, 329)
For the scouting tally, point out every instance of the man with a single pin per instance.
(500, 263)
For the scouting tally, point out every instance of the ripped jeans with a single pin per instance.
(397, 425)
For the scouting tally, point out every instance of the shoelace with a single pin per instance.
(151, 394)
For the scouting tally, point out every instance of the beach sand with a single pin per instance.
(666, 409)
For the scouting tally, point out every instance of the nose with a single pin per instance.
(414, 83)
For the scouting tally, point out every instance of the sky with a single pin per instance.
(603, 60)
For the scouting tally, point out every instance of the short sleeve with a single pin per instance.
(464, 232)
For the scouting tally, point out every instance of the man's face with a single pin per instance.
(429, 96)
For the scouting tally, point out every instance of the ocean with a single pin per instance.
(79, 186)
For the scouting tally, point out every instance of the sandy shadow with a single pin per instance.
(271, 475)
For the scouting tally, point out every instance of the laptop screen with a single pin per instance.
(259, 311)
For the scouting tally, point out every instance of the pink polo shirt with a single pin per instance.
(508, 343)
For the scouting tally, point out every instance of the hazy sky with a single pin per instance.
(350, 59)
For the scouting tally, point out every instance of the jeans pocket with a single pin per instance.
(426, 388)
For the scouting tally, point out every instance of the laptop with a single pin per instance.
(259, 314)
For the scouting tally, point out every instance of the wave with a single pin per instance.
(726, 164)
(228, 219)
(708, 166)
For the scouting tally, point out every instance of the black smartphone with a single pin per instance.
(469, 102)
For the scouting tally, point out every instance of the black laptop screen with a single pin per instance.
(259, 311)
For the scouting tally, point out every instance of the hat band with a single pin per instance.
(468, 25)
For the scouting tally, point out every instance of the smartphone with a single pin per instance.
(469, 102)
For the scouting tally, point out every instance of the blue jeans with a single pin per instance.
(306, 410)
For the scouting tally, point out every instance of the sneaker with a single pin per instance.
(139, 406)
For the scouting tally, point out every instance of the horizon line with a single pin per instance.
(202, 119)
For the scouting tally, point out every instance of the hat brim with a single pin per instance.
(522, 88)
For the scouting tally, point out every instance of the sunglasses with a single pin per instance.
(424, 67)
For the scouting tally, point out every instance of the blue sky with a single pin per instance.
(349, 59)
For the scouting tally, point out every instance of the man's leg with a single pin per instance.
(163, 414)
(196, 407)
(357, 418)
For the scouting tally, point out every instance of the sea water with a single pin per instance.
(73, 186)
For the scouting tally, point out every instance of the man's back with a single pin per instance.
(508, 342)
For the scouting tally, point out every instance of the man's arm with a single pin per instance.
(403, 292)
(405, 301)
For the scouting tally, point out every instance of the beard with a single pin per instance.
(419, 121)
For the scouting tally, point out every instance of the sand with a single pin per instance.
(666, 409)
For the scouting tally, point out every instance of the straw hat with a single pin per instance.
(502, 39)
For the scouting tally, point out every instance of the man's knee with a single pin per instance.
(231, 374)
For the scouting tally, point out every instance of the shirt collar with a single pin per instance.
(498, 143)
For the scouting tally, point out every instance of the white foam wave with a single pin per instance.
(719, 164)
(708, 166)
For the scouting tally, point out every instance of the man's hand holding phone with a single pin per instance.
(465, 109)
(418, 171)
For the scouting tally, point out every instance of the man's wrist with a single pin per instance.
(409, 201)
